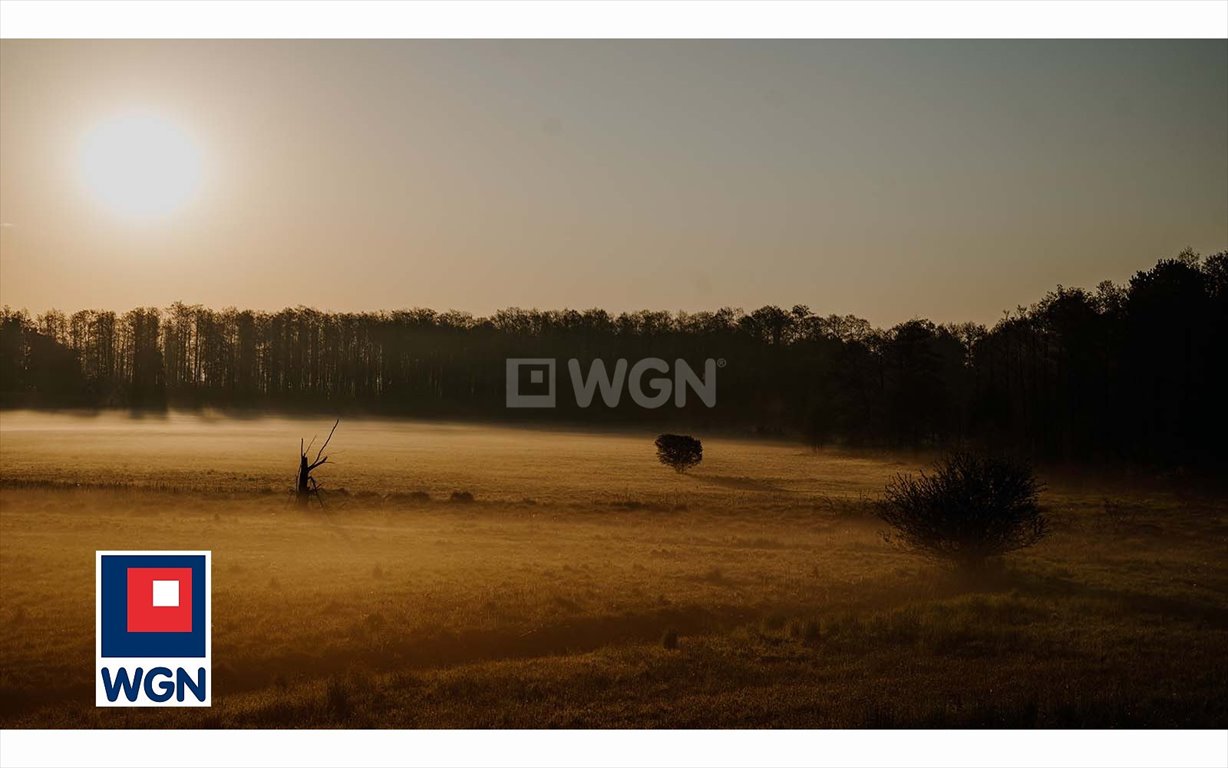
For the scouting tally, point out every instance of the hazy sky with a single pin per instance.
(893, 179)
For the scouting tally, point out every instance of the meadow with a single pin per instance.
(585, 585)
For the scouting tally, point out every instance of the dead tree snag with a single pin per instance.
(306, 486)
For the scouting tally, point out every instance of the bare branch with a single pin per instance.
(330, 437)
(306, 485)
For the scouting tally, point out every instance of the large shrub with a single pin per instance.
(681, 452)
(967, 509)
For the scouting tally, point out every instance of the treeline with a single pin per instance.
(1136, 372)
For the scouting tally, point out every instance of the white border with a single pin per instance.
(615, 19)
(606, 749)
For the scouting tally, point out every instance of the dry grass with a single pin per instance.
(586, 585)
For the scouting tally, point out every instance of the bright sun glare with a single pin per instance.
(139, 165)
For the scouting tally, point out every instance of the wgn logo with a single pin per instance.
(531, 382)
(152, 629)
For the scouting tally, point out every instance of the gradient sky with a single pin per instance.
(890, 179)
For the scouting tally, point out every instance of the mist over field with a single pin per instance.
(587, 585)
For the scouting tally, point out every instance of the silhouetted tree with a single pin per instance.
(679, 452)
(305, 485)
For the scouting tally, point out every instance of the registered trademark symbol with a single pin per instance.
(720, 363)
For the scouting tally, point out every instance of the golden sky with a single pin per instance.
(890, 179)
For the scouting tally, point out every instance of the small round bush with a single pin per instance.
(968, 509)
(680, 452)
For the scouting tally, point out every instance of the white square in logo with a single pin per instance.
(166, 594)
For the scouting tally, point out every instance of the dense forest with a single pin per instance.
(1136, 372)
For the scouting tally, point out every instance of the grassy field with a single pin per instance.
(588, 586)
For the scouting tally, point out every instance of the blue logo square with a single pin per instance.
(117, 641)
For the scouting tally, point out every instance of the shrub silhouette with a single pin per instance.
(969, 509)
(679, 451)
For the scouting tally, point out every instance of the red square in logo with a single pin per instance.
(159, 599)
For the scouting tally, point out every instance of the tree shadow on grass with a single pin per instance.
(740, 483)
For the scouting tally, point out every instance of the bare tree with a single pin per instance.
(306, 487)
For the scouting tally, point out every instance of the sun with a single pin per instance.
(139, 165)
